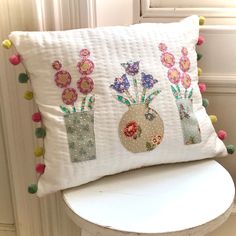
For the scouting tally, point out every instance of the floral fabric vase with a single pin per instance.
(80, 133)
(189, 122)
(141, 129)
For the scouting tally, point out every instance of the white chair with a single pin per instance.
(176, 200)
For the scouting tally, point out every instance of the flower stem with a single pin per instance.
(143, 95)
(185, 93)
(83, 104)
(91, 102)
(136, 89)
(129, 96)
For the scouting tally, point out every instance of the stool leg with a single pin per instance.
(85, 233)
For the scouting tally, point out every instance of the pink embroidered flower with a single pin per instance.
(131, 129)
(156, 140)
(184, 51)
(85, 85)
(184, 64)
(69, 96)
(174, 75)
(62, 78)
(85, 67)
(167, 59)
(56, 65)
(186, 80)
(84, 53)
(162, 47)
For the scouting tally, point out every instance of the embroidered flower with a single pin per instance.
(69, 96)
(186, 80)
(167, 59)
(85, 85)
(174, 75)
(131, 129)
(147, 80)
(156, 140)
(121, 84)
(184, 51)
(85, 67)
(184, 64)
(162, 47)
(62, 78)
(150, 114)
(84, 53)
(56, 65)
(131, 68)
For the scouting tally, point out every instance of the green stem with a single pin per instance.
(91, 102)
(143, 95)
(83, 104)
(129, 96)
(136, 88)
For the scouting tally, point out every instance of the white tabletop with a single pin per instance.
(175, 198)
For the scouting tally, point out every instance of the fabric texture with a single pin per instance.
(117, 98)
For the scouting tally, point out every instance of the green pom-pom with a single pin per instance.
(230, 149)
(23, 78)
(40, 132)
(33, 188)
(199, 56)
(205, 102)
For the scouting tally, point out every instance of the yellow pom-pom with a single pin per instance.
(213, 118)
(199, 71)
(202, 20)
(28, 95)
(7, 43)
(38, 151)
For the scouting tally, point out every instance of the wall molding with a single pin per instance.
(214, 15)
(7, 227)
(220, 84)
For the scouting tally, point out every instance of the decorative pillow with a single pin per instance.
(114, 99)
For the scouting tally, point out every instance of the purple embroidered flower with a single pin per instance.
(147, 81)
(131, 68)
(121, 84)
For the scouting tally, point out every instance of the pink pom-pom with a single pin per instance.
(39, 168)
(15, 59)
(202, 87)
(200, 40)
(222, 134)
(36, 117)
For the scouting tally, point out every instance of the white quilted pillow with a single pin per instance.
(117, 98)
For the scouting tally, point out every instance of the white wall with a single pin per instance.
(118, 12)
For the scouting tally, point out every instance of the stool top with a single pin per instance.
(171, 199)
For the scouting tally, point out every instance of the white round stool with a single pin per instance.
(176, 199)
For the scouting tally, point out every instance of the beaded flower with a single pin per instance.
(62, 78)
(56, 65)
(69, 96)
(131, 129)
(185, 80)
(85, 85)
(131, 68)
(147, 80)
(173, 75)
(85, 66)
(167, 59)
(121, 84)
